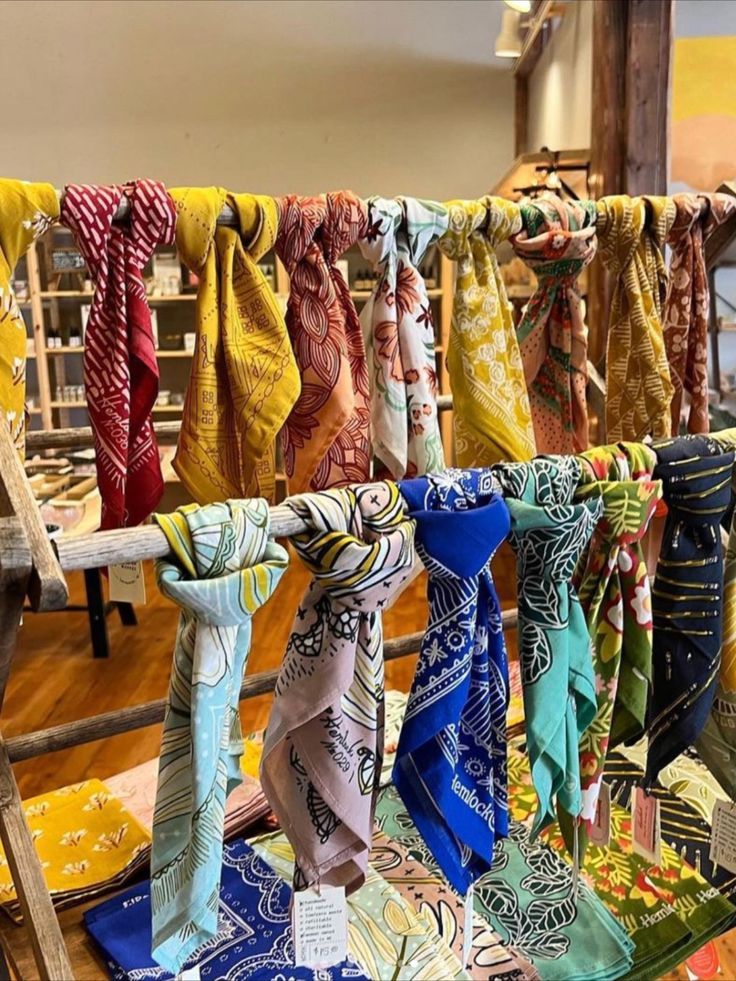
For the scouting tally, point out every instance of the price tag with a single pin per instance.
(127, 584)
(191, 974)
(600, 829)
(468, 925)
(723, 835)
(320, 926)
(645, 826)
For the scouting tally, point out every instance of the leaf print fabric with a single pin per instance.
(491, 417)
(224, 568)
(28, 210)
(687, 307)
(450, 762)
(322, 751)
(244, 379)
(120, 366)
(399, 336)
(557, 242)
(253, 938)
(631, 237)
(549, 534)
(527, 899)
(87, 842)
(687, 594)
(386, 935)
(326, 438)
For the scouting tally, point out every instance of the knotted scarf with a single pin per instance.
(625, 626)
(399, 336)
(120, 367)
(322, 750)
(687, 599)
(27, 210)
(244, 379)
(326, 439)
(492, 418)
(613, 589)
(557, 241)
(687, 307)
(451, 760)
(631, 236)
(548, 535)
(223, 568)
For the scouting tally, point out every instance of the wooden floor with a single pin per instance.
(55, 679)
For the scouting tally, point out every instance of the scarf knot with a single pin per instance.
(627, 509)
(489, 219)
(198, 209)
(259, 222)
(378, 244)
(558, 238)
(344, 223)
(300, 219)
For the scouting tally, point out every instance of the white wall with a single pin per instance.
(560, 85)
(258, 96)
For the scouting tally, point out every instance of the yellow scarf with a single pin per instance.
(492, 417)
(631, 237)
(26, 211)
(244, 379)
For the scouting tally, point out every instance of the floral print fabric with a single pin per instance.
(450, 762)
(631, 237)
(548, 535)
(28, 210)
(491, 417)
(399, 336)
(326, 439)
(557, 242)
(322, 751)
(687, 307)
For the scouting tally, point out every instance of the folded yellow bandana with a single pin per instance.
(27, 211)
(244, 379)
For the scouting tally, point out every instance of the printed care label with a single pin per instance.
(723, 835)
(600, 830)
(320, 926)
(127, 584)
(645, 827)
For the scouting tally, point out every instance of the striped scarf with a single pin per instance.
(120, 367)
(223, 568)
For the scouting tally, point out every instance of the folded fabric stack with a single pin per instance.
(88, 842)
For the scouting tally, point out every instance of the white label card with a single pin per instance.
(723, 835)
(468, 925)
(320, 926)
(600, 830)
(126, 583)
(645, 826)
(191, 974)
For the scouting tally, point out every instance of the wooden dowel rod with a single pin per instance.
(82, 731)
(226, 217)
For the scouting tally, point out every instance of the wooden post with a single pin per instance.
(521, 113)
(43, 928)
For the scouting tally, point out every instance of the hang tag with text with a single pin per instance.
(127, 584)
(190, 974)
(645, 826)
(468, 925)
(600, 830)
(723, 835)
(320, 921)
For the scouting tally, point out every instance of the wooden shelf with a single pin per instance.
(79, 349)
(174, 354)
(65, 294)
(168, 408)
(67, 405)
(173, 298)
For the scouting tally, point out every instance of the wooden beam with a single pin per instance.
(535, 39)
(521, 114)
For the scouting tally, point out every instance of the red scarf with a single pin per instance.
(120, 368)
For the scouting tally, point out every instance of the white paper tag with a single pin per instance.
(723, 835)
(127, 584)
(191, 974)
(645, 826)
(600, 830)
(468, 925)
(320, 921)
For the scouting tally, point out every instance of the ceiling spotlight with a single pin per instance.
(523, 6)
(508, 42)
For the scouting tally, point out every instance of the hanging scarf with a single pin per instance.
(631, 237)
(548, 535)
(224, 567)
(244, 379)
(687, 308)
(27, 210)
(492, 419)
(399, 336)
(626, 626)
(613, 589)
(688, 594)
(451, 761)
(120, 367)
(326, 436)
(322, 750)
(557, 241)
